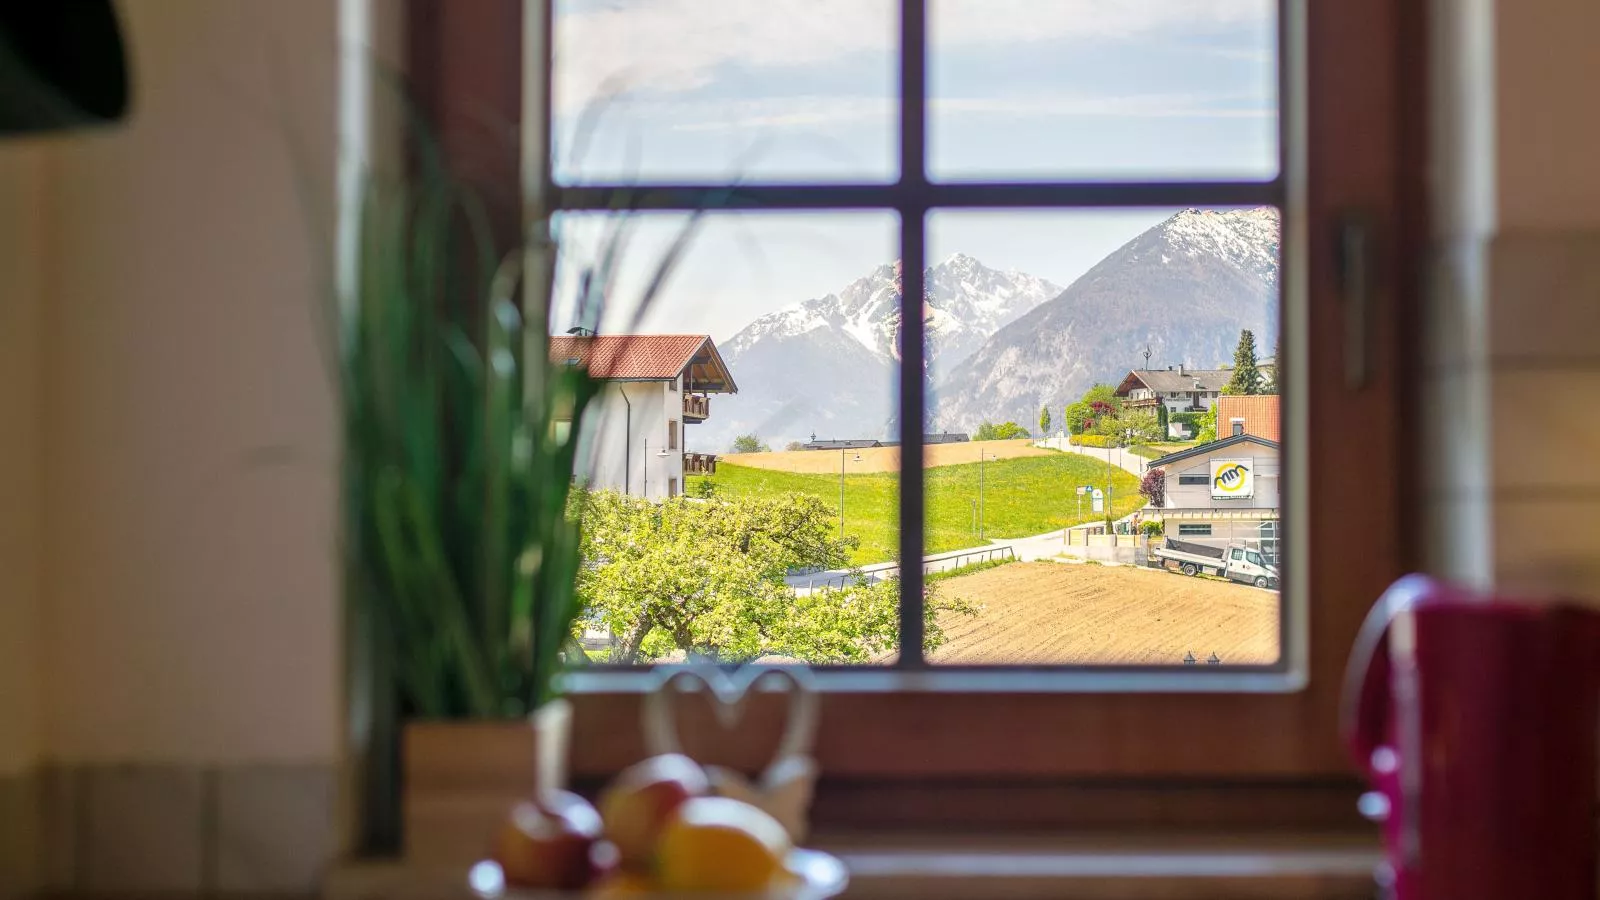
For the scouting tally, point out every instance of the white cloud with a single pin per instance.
(668, 46)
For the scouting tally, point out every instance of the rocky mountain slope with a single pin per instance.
(827, 365)
(1184, 289)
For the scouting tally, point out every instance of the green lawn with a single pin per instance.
(1022, 497)
(1155, 451)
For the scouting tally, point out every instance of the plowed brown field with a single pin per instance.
(881, 459)
(1060, 613)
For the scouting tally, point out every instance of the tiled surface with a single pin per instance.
(1548, 546)
(1512, 414)
(1545, 288)
(144, 829)
(1546, 430)
(261, 830)
(274, 828)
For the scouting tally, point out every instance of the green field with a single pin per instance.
(1021, 497)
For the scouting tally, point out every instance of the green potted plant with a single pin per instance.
(461, 534)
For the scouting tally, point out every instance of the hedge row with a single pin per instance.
(1094, 440)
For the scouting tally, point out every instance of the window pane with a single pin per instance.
(782, 328)
(1075, 354)
(712, 90)
(1103, 89)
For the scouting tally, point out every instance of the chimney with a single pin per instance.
(1169, 368)
(1180, 368)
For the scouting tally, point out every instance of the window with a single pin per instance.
(672, 434)
(984, 723)
(1192, 529)
(672, 487)
(1253, 558)
(1238, 426)
(1194, 480)
(1237, 553)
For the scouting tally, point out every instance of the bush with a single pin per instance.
(1094, 440)
(1188, 418)
(1005, 431)
(1154, 487)
(1152, 528)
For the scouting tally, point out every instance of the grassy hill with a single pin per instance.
(1022, 497)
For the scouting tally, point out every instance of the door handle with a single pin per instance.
(1357, 246)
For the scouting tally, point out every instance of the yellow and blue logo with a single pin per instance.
(1230, 478)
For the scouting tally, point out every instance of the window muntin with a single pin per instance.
(919, 204)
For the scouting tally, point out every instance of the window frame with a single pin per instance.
(1360, 73)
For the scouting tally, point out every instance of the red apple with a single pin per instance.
(552, 841)
(643, 798)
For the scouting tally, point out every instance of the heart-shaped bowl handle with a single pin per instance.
(727, 692)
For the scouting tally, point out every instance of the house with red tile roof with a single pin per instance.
(637, 440)
(1255, 414)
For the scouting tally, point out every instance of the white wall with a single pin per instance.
(192, 608)
(1264, 461)
(615, 450)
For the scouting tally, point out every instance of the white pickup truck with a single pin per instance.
(1236, 562)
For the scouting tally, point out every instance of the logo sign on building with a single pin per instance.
(1232, 479)
(1099, 500)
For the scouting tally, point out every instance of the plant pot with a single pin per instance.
(461, 777)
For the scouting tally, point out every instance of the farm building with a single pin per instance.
(1225, 490)
(656, 384)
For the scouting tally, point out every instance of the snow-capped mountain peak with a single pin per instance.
(968, 302)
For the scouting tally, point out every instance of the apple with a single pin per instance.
(643, 798)
(552, 841)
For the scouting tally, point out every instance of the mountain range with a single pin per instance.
(1002, 343)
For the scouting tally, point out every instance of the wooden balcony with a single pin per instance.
(696, 407)
(699, 464)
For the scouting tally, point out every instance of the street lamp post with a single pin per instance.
(841, 489)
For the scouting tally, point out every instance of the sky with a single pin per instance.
(801, 90)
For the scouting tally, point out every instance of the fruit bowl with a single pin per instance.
(817, 876)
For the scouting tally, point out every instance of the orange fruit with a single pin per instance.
(720, 844)
(622, 884)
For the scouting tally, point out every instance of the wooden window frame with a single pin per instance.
(1355, 126)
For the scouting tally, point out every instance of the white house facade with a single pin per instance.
(637, 438)
(1223, 491)
(1178, 389)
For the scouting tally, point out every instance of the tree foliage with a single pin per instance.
(1143, 424)
(1154, 487)
(1098, 403)
(1044, 421)
(794, 445)
(1005, 431)
(749, 443)
(1207, 425)
(1247, 377)
(706, 577)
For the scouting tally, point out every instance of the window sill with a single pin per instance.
(1175, 866)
